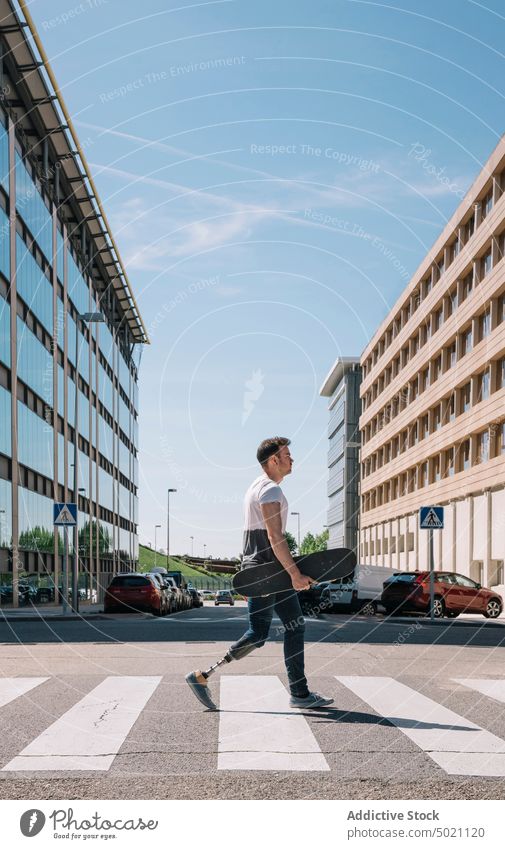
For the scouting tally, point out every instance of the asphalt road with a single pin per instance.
(100, 709)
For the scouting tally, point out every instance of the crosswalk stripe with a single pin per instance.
(89, 735)
(458, 746)
(259, 731)
(12, 688)
(492, 687)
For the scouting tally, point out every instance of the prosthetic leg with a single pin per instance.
(197, 680)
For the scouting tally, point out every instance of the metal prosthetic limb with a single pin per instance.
(197, 680)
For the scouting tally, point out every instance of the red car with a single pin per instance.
(133, 591)
(454, 594)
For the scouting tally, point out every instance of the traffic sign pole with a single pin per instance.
(64, 577)
(64, 514)
(432, 574)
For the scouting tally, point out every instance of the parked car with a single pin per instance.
(454, 594)
(160, 580)
(132, 591)
(24, 594)
(358, 593)
(224, 597)
(196, 597)
(314, 600)
(176, 593)
(208, 594)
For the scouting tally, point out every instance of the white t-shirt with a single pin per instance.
(256, 545)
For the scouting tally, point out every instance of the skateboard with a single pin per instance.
(268, 578)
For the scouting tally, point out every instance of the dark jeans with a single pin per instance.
(288, 609)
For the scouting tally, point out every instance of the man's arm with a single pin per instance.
(272, 516)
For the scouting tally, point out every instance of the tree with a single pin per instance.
(291, 543)
(311, 543)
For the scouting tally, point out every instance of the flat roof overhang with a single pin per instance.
(57, 124)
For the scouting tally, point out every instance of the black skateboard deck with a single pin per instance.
(268, 578)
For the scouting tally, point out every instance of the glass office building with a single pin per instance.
(68, 382)
(342, 387)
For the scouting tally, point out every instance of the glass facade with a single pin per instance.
(42, 357)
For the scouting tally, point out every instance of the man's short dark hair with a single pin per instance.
(269, 447)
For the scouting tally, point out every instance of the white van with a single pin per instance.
(361, 591)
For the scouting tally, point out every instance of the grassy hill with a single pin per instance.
(198, 579)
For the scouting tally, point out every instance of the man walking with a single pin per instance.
(266, 511)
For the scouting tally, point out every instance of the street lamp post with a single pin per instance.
(295, 513)
(87, 317)
(168, 525)
(155, 546)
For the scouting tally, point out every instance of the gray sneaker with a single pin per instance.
(200, 689)
(313, 700)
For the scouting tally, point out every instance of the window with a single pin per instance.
(436, 469)
(455, 248)
(437, 418)
(466, 395)
(440, 267)
(451, 355)
(501, 309)
(487, 204)
(465, 455)
(453, 302)
(437, 367)
(483, 385)
(501, 374)
(414, 389)
(500, 440)
(437, 320)
(467, 341)
(452, 407)
(426, 378)
(414, 434)
(469, 228)
(467, 286)
(483, 447)
(449, 462)
(486, 264)
(423, 474)
(485, 324)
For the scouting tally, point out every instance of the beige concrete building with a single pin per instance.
(433, 395)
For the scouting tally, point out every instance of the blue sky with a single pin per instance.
(273, 172)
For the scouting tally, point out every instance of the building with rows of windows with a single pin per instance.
(433, 396)
(342, 387)
(68, 381)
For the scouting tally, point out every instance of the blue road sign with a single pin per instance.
(64, 514)
(431, 518)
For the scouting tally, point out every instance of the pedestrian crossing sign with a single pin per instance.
(64, 514)
(431, 518)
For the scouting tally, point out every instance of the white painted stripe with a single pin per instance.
(258, 729)
(457, 745)
(492, 687)
(12, 688)
(90, 734)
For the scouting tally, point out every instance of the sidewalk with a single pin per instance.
(29, 613)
